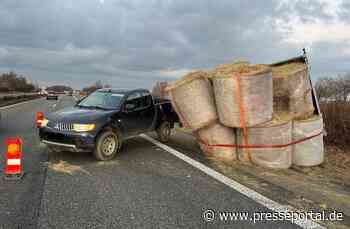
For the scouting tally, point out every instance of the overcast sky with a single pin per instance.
(134, 43)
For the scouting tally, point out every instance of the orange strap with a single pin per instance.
(243, 125)
(263, 146)
(242, 114)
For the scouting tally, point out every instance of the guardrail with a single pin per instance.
(9, 96)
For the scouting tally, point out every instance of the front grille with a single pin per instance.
(64, 126)
(58, 137)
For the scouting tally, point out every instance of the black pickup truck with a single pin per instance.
(101, 121)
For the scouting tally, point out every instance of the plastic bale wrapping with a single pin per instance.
(214, 134)
(248, 88)
(311, 151)
(292, 91)
(193, 100)
(277, 132)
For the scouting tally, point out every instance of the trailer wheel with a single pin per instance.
(164, 131)
(107, 146)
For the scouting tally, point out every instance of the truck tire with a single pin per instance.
(107, 146)
(164, 131)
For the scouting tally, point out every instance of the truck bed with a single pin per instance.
(167, 109)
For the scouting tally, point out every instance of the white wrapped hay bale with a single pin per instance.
(292, 91)
(273, 139)
(311, 151)
(192, 98)
(247, 89)
(302, 106)
(216, 134)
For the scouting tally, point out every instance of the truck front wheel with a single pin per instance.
(107, 146)
(164, 131)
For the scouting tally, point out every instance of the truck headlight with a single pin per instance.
(83, 127)
(44, 122)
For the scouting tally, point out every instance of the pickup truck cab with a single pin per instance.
(103, 120)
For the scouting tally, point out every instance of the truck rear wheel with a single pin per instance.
(107, 146)
(164, 131)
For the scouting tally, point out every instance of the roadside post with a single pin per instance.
(13, 167)
(314, 95)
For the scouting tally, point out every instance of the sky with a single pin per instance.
(135, 43)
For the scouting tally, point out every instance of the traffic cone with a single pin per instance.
(39, 119)
(13, 168)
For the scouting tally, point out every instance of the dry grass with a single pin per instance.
(227, 69)
(65, 167)
(241, 68)
(186, 79)
(183, 129)
(336, 117)
(286, 69)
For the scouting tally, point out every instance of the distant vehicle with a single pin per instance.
(51, 95)
(103, 120)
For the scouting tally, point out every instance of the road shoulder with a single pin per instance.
(303, 189)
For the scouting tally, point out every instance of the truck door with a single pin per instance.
(147, 112)
(131, 117)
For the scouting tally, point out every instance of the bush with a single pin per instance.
(337, 123)
(334, 96)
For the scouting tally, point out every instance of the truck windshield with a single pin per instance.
(102, 100)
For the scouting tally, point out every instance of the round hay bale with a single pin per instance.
(192, 98)
(251, 91)
(274, 133)
(226, 69)
(214, 134)
(292, 89)
(311, 151)
(302, 107)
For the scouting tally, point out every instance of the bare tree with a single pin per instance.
(12, 82)
(334, 89)
(326, 88)
(343, 87)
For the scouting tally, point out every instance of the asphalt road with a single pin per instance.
(143, 187)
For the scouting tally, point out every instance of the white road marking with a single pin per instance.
(257, 197)
(57, 102)
(15, 105)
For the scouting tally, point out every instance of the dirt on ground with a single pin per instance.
(320, 188)
(337, 165)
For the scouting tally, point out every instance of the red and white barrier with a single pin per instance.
(13, 167)
(39, 119)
